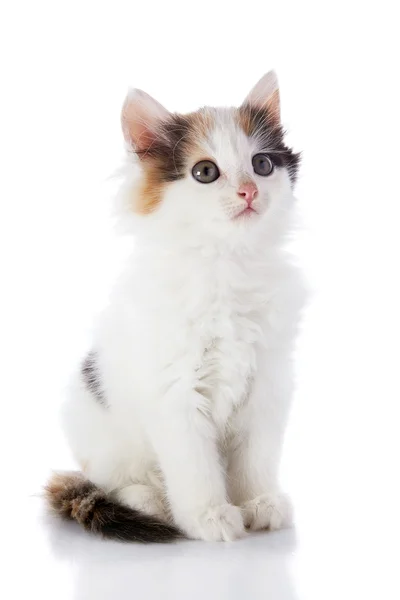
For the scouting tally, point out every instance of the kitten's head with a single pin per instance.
(217, 170)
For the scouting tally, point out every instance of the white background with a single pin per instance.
(65, 67)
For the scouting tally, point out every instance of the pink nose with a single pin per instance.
(248, 191)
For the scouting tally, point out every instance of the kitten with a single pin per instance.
(177, 414)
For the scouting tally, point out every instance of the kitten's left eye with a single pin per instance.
(262, 164)
(205, 171)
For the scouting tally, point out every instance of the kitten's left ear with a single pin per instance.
(140, 119)
(265, 94)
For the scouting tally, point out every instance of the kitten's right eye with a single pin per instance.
(205, 171)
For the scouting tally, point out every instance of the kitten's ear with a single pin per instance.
(139, 119)
(265, 94)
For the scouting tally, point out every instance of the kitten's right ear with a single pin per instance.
(140, 116)
(265, 94)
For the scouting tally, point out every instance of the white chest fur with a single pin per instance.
(222, 309)
(196, 321)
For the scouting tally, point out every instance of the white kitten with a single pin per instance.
(178, 413)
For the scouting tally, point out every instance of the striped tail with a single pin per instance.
(72, 496)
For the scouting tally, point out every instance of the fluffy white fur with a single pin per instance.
(195, 354)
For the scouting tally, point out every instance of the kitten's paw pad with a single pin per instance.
(218, 523)
(268, 511)
(143, 498)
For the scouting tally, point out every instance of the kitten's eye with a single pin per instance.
(205, 171)
(262, 164)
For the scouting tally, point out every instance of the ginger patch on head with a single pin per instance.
(150, 191)
(168, 156)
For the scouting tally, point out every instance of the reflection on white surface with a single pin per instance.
(67, 68)
(178, 570)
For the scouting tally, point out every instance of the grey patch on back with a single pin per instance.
(91, 377)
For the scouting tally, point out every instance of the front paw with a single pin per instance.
(268, 511)
(216, 523)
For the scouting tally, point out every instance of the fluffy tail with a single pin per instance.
(74, 497)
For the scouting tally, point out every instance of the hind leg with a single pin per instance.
(144, 498)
